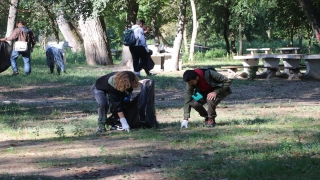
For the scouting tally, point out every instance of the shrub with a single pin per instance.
(215, 53)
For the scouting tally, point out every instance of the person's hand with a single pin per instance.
(184, 123)
(124, 124)
(3, 39)
(212, 96)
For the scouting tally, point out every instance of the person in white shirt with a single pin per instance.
(139, 51)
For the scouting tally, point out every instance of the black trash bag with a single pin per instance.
(146, 109)
(150, 64)
(5, 54)
(140, 111)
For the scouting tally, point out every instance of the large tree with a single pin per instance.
(194, 29)
(69, 32)
(13, 11)
(174, 62)
(95, 41)
(313, 15)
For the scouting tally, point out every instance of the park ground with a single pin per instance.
(31, 150)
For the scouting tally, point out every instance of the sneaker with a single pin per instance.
(15, 73)
(101, 129)
(211, 122)
(151, 74)
(205, 122)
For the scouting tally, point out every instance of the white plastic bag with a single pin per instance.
(21, 46)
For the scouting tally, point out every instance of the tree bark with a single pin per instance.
(164, 41)
(154, 23)
(95, 42)
(174, 62)
(240, 40)
(233, 44)
(185, 40)
(312, 16)
(13, 11)
(52, 20)
(69, 33)
(226, 28)
(194, 30)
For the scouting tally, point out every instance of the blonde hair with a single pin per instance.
(124, 80)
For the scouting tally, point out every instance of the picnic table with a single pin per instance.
(312, 66)
(291, 64)
(161, 61)
(289, 50)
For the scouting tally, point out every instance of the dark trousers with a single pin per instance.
(139, 57)
(102, 101)
(212, 104)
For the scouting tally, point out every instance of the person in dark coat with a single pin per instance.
(114, 88)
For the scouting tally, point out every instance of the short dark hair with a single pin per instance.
(140, 21)
(189, 75)
(22, 22)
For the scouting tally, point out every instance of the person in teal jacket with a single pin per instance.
(204, 86)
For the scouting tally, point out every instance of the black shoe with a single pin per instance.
(211, 122)
(15, 73)
(151, 74)
(101, 129)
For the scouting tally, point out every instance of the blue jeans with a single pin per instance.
(26, 59)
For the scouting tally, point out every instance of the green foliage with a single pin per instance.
(60, 131)
(215, 53)
(78, 131)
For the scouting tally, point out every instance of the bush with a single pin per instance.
(215, 53)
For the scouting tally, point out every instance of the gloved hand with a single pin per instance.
(184, 123)
(124, 124)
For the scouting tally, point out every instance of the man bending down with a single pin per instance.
(204, 86)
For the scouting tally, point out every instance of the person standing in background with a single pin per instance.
(139, 51)
(21, 33)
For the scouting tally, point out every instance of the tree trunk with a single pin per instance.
(132, 12)
(194, 30)
(13, 11)
(233, 44)
(154, 23)
(95, 42)
(52, 20)
(240, 40)
(185, 40)
(174, 62)
(312, 16)
(69, 33)
(226, 28)
(164, 41)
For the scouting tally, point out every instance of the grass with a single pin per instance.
(252, 141)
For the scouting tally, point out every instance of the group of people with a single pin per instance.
(203, 86)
